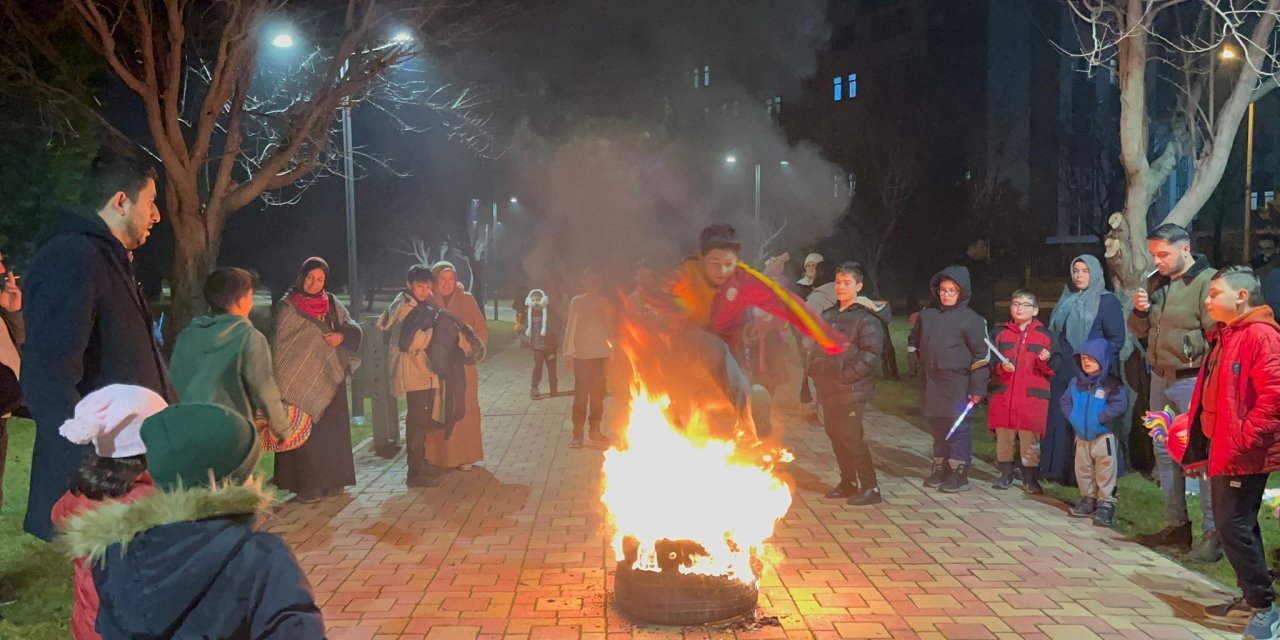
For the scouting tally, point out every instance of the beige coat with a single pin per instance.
(410, 370)
(466, 445)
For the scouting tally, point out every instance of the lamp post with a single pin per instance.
(732, 160)
(1229, 55)
(284, 40)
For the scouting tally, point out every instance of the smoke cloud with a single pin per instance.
(619, 156)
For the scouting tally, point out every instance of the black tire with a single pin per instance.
(676, 599)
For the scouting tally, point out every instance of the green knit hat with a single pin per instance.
(188, 441)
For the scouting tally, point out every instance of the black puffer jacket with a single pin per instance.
(849, 376)
(949, 345)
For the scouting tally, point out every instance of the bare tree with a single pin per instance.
(225, 130)
(1181, 43)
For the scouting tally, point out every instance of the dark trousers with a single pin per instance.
(4, 453)
(1236, 500)
(958, 447)
(544, 357)
(588, 394)
(844, 428)
(417, 422)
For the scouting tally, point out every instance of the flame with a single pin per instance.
(684, 497)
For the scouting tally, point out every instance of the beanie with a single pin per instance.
(813, 257)
(186, 443)
(441, 266)
(111, 418)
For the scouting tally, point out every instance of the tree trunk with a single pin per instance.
(195, 254)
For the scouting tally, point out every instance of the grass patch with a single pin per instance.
(39, 575)
(1140, 508)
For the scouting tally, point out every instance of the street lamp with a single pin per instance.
(284, 40)
(514, 200)
(1229, 54)
(731, 159)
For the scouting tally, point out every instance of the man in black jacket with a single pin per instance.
(845, 383)
(87, 318)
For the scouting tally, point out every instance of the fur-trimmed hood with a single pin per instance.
(192, 563)
(91, 533)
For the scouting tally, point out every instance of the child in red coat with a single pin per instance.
(1020, 401)
(111, 419)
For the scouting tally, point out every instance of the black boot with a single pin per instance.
(1006, 476)
(958, 480)
(1031, 481)
(937, 473)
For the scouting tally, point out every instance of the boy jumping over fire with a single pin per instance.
(704, 361)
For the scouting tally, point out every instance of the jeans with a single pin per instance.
(1236, 502)
(958, 448)
(844, 428)
(1176, 394)
(588, 394)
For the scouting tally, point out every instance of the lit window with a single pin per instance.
(853, 86)
(696, 79)
(706, 76)
(838, 89)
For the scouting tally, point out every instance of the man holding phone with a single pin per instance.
(1170, 315)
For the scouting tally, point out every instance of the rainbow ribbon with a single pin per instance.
(1158, 423)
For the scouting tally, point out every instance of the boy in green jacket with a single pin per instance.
(222, 359)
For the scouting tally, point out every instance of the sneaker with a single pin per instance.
(1209, 549)
(1264, 624)
(842, 491)
(958, 480)
(1178, 537)
(1084, 508)
(937, 473)
(866, 497)
(1105, 515)
(1236, 611)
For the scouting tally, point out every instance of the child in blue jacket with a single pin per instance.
(1091, 401)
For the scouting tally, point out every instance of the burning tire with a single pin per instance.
(677, 599)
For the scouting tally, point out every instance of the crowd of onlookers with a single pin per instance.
(143, 461)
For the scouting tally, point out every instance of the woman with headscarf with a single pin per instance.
(1085, 311)
(314, 344)
(464, 446)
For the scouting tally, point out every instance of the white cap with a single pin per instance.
(111, 418)
(813, 257)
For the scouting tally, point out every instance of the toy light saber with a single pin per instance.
(997, 352)
(963, 414)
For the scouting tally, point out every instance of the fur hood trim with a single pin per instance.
(90, 533)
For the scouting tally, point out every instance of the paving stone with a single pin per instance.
(519, 549)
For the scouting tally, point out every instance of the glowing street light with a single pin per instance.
(731, 159)
(283, 41)
(402, 37)
(784, 163)
(514, 200)
(1228, 53)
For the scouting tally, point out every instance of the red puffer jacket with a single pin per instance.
(1246, 438)
(84, 612)
(1020, 400)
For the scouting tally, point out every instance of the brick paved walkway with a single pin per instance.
(517, 550)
